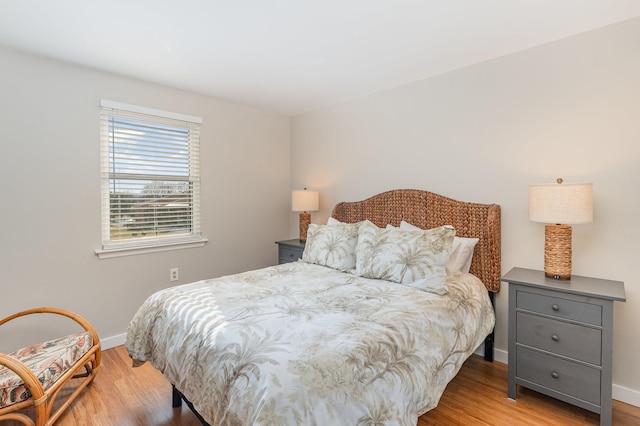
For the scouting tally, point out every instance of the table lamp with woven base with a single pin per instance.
(559, 205)
(304, 201)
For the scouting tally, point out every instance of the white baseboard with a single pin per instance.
(626, 395)
(620, 393)
(501, 356)
(113, 341)
(498, 354)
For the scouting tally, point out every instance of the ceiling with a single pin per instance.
(292, 56)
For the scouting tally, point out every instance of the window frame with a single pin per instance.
(132, 246)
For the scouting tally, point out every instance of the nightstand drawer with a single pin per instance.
(286, 254)
(559, 307)
(571, 340)
(567, 377)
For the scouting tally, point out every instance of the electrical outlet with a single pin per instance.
(173, 274)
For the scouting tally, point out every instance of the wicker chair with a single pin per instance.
(32, 377)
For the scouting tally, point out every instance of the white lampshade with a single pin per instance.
(563, 203)
(304, 201)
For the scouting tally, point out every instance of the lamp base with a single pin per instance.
(305, 220)
(557, 252)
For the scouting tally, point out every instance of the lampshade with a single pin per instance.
(304, 201)
(566, 203)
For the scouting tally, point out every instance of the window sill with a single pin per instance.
(131, 250)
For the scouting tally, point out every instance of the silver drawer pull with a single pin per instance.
(554, 374)
(555, 307)
(555, 337)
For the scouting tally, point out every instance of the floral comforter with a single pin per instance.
(302, 344)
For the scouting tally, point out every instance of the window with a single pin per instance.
(150, 180)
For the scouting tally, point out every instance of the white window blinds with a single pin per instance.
(150, 176)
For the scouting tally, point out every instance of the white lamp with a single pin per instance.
(559, 205)
(304, 201)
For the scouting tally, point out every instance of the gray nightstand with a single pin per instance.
(290, 250)
(561, 337)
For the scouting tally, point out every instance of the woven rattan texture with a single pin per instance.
(305, 221)
(557, 251)
(428, 210)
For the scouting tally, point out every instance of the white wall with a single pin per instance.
(50, 198)
(567, 109)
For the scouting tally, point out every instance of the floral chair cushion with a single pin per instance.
(48, 361)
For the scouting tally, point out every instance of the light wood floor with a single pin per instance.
(125, 396)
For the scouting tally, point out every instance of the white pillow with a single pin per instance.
(415, 258)
(408, 227)
(333, 246)
(461, 255)
(332, 221)
(461, 251)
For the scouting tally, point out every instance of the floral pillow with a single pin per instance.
(332, 245)
(461, 251)
(416, 258)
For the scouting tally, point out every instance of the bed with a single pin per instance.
(347, 335)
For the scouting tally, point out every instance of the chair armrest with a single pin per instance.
(27, 376)
(57, 311)
(63, 312)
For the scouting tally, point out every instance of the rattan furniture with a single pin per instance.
(429, 210)
(38, 372)
(561, 337)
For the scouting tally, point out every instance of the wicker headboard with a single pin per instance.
(428, 210)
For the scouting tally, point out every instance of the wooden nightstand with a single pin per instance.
(290, 250)
(561, 337)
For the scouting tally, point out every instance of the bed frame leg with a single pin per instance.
(488, 347)
(176, 397)
(488, 342)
